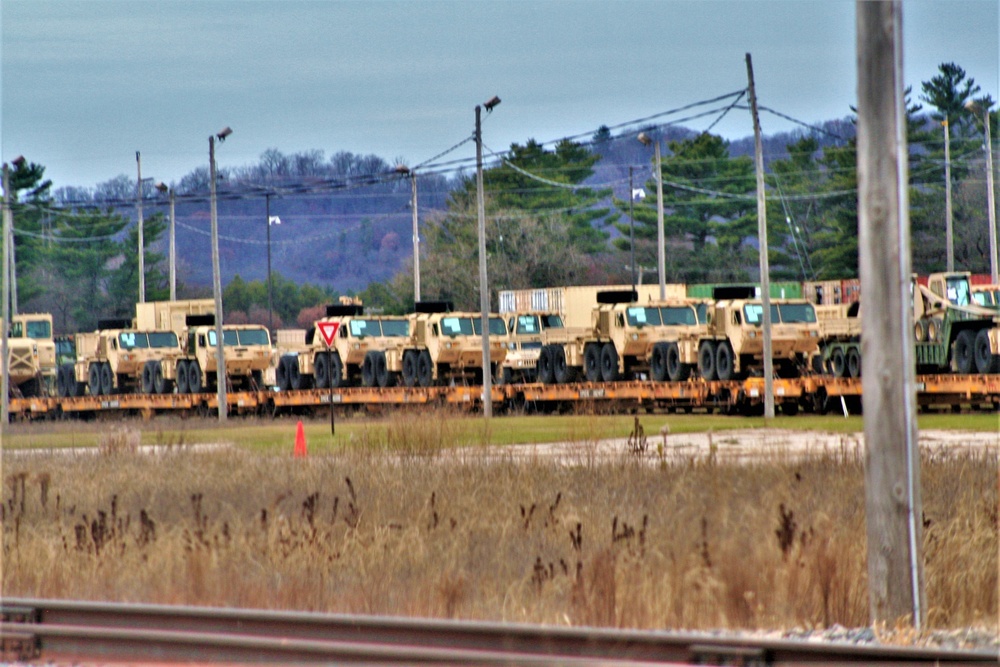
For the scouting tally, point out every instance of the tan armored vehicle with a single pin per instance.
(987, 296)
(118, 359)
(365, 351)
(657, 339)
(32, 355)
(735, 344)
(447, 346)
(246, 351)
(526, 333)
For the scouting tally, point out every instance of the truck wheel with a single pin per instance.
(964, 351)
(61, 384)
(147, 377)
(182, 377)
(724, 366)
(838, 363)
(321, 370)
(920, 331)
(381, 369)
(563, 373)
(107, 379)
(706, 360)
(676, 370)
(161, 385)
(854, 362)
(658, 363)
(94, 379)
(546, 366)
(295, 378)
(368, 371)
(592, 362)
(336, 370)
(935, 329)
(425, 369)
(409, 368)
(281, 374)
(986, 361)
(194, 377)
(609, 363)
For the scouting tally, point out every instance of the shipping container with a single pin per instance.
(576, 302)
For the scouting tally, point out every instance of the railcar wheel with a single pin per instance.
(706, 360)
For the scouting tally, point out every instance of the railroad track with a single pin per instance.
(33, 629)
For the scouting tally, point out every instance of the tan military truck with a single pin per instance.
(734, 345)
(839, 340)
(246, 352)
(31, 352)
(119, 359)
(526, 333)
(626, 340)
(446, 346)
(987, 296)
(366, 351)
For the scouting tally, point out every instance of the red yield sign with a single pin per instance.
(328, 330)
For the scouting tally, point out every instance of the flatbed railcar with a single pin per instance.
(815, 393)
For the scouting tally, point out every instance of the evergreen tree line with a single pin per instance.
(547, 223)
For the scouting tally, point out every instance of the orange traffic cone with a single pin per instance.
(300, 441)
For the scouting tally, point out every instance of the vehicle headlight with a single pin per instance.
(635, 336)
(753, 334)
(814, 334)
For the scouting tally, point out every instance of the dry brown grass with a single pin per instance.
(393, 527)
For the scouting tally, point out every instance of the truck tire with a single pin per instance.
(296, 379)
(854, 362)
(194, 378)
(592, 362)
(321, 370)
(281, 374)
(564, 373)
(425, 369)
(94, 379)
(107, 379)
(368, 370)
(724, 362)
(61, 385)
(336, 371)
(920, 331)
(147, 377)
(161, 385)
(838, 363)
(706, 360)
(986, 362)
(963, 351)
(658, 363)
(182, 377)
(609, 363)
(677, 371)
(546, 366)
(409, 368)
(382, 375)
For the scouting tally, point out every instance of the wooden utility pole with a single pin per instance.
(416, 239)
(484, 290)
(892, 464)
(220, 359)
(765, 278)
(5, 295)
(142, 244)
(949, 238)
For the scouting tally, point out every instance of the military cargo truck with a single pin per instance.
(986, 295)
(246, 352)
(31, 352)
(118, 359)
(526, 333)
(366, 351)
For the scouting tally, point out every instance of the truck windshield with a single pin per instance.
(678, 315)
(702, 309)
(958, 291)
(497, 326)
(251, 337)
(797, 312)
(456, 326)
(552, 322)
(638, 316)
(394, 328)
(528, 324)
(39, 329)
(128, 340)
(162, 339)
(360, 328)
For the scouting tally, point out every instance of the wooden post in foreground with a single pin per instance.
(892, 463)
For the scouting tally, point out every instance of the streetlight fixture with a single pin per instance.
(220, 359)
(661, 259)
(484, 291)
(991, 203)
(402, 169)
(163, 187)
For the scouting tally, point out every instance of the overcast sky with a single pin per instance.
(87, 84)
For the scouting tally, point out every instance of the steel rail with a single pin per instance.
(140, 631)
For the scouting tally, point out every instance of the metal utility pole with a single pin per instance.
(173, 249)
(765, 278)
(631, 224)
(220, 359)
(892, 463)
(484, 289)
(661, 252)
(270, 295)
(991, 203)
(12, 251)
(949, 239)
(4, 351)
(142, 245)
(416, 240)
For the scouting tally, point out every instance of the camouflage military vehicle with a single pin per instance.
(31, 352)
